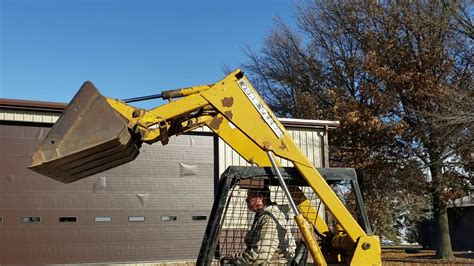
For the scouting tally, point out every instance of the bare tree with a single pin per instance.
(398, 75)
(462, 14)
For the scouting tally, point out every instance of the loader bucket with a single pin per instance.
(89, 137)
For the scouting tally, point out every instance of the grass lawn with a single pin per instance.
(424, 257)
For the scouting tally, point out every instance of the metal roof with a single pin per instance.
(31, 105)
(289, 122)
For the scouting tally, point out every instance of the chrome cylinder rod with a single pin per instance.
(282, 184)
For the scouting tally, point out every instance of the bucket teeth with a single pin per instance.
(89, 137)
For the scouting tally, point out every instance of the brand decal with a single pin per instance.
(260, 108)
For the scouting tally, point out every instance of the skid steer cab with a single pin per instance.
(96, 133)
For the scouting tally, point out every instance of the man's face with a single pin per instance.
(254, 201)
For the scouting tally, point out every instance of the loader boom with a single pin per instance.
(82, 143)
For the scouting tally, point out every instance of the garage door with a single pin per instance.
(152, 209)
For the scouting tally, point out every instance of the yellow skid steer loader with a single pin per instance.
(96, 133)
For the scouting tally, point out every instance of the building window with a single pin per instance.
(67, 219)
(169, 218)
(199, 218)
(103, 219)
(30, 219)
(136, 218)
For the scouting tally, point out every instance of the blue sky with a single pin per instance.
(126, 48)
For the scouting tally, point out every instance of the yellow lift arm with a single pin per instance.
(96, 133)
